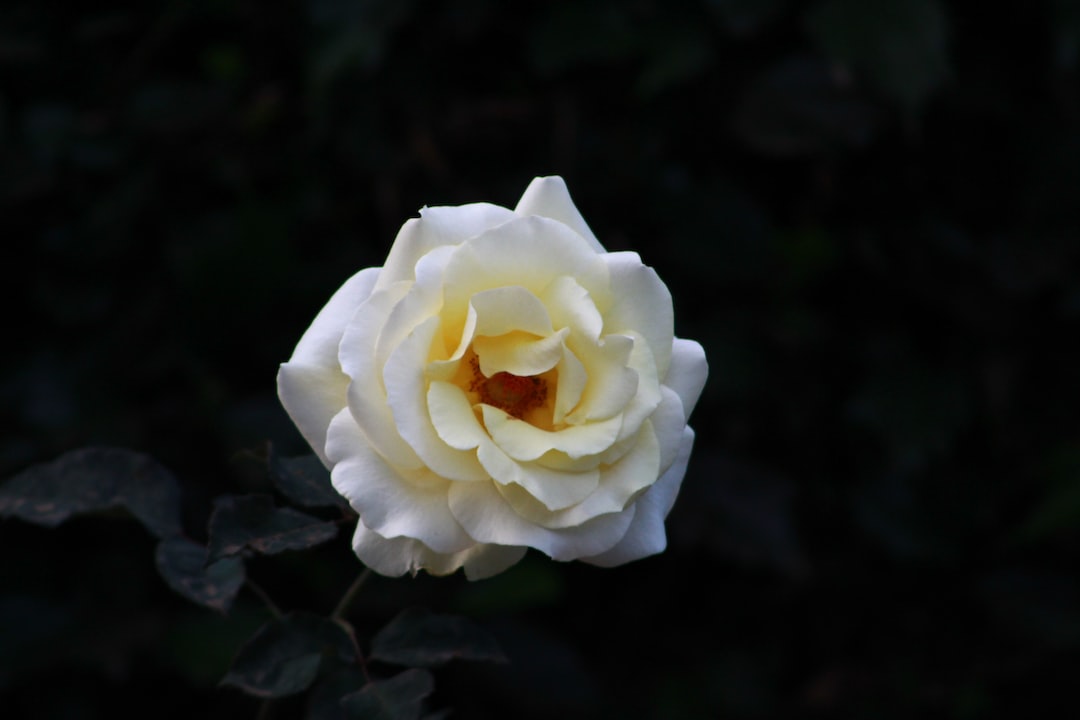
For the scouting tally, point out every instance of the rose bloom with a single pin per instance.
(501, 383)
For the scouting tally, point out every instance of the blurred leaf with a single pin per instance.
(252, 521)
(675, 53)
(304, 480)
(1059, 508)
(355, 36)
(743, 17)
(898, 45)
(399, 698)
(420, 638)
(325, 700)
(743, 512)
(573, 34)
(183, 565)
(91, 480)
(1037, 605)
(284, 656)
(800, 106)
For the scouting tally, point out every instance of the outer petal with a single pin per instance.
(388, 502)
(687, 373)
(646, 534)
(397, 556)
(642, 304)
(438, 226)
(310, 385)
(548, 197)
(486, 516)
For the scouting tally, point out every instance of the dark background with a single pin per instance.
(867, 211)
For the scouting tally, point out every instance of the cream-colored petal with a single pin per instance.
(611, 384)
(668, 420)
(508, 309)
(391, 502)
(647, 397)
(523, 441)
(406, 393)
(618, 484)
(366, 394)
(396, 556)
(422, 301)
(519, 353)
(570, 305)
(549, 197)
(642, 304)
(528, 252)
(687, 373)
(312, 396)
(552, 489)
(318, 347)
(453, 416)
(437, 227)
(572, 380)
(489, 518)
(646, 535)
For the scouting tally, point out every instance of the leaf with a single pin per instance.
(324, 702)
(91, 480)
(799, 106)
(284, 656)
(898, 45)
(252, 521)
(399, 698)
(304, 480)
(182, 563)
(1059, 509)
(420, 638)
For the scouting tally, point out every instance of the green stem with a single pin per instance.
(274, 609)
(350, 595)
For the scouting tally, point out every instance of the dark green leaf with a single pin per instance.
(183, 565)
(304, 480)
(420, 638)
(284, 657)
(325, 700)
(399, 698)
(898, 45)
(252, 521)
(91, 480)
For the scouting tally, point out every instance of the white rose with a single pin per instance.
(501, 383)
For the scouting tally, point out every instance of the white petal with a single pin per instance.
(312, 396)
(642, 304)
(437, 227)
(687, 373)
(396, 556)
(506, 309)
(390, 502)
(519, 353)
(366, 394)
(646, 535)
(548, 196)
(617, 486)
(668, 420)
(406, 393)
(453, 416)
(571, 386)
(645, 401)
(552, 489)
(571, 305)
(523, 441)
(422, 301)
(611, 384)
(486, 516)
(318, 347)
(528, 252)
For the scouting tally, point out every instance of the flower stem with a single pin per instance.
(255, 588)
(350, 595)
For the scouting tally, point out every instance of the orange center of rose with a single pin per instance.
(513, 394)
